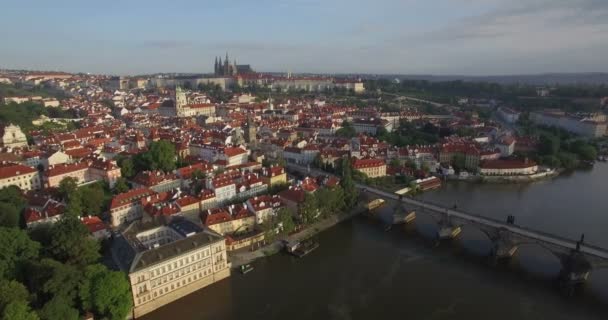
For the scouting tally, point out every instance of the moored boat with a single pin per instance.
(246, 268)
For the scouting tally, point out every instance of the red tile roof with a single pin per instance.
(186, 200)
(231, 152)
(153, 178)
(206, 194)
(294, 194)
(130, 197)
(215, 216)
(93, 223)
(368, 163)
(186, 172)
(265, 202)
(9, 170)
(66, 168)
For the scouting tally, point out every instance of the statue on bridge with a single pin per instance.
(511, 219)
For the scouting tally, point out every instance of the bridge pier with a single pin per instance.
(447, 230)
(504, 246)
(575, 269)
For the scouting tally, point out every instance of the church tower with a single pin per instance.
(181, 101)
(226, 66)
(251, 132)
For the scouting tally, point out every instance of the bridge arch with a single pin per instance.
(539, 266)
(476, 241)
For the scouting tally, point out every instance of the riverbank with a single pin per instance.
(239, 258)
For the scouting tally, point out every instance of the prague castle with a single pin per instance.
(228, 69)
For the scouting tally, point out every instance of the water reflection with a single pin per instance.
(426, 225)
(538, 261)
(475, 241)
(598, 284)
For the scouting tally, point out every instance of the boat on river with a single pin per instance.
(301, 248)
(246, 268)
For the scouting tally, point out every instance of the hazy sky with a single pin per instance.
(472, 37)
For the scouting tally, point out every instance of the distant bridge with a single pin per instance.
(577, 257)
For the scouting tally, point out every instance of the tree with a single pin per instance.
(67, 187)
(64, 280)
(351, 193)
(395, 163)
(92, 198)
(9, 215)
(587, 152)
(347, 130)
(121, 185)
(324, 201)
(74, 206)
(331, 201)
(11, 291)
(459, 162)
(198, 175)
(70, 243)
(161, 155)
(127, 168)
(58, 309)
(285, 218)
(143, 161)
(383, 134)
(19, 310)
(548, 144)
(568, 160)
(198, 180)
(317, 162)
(551, 161)
(338, 203)
(17, 248)
(309, 209)
(106, 292)
(12, 195)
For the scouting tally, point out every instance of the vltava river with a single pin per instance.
(362, 272)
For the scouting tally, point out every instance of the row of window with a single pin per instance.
(179, 263)
(176, 285)
(181, 273)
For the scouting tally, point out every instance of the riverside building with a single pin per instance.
(167, 262)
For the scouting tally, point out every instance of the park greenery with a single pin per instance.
(53, 273)
(331, 200)
(281, 225)
(347, 130)
(12, 90)
(92, 199)
(213, 91)
(410, 134)
(23, 114)
(161, 155)
(572, 98)
(12, 204)
(447, 91)
(559, 148)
